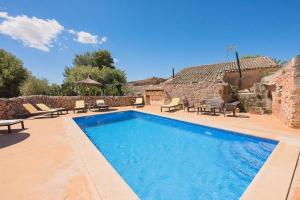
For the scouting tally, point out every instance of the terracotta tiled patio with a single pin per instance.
(42, 161)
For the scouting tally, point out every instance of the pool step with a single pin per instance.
(267, 146)
(248, 157)
(237, 166)
(239, 152)
(256, 150)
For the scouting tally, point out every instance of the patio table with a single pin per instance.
(206, 108)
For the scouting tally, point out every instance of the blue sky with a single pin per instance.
(147, 38)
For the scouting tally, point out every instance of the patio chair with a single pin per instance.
(187, 106)
(100, 104)
(80, 105)
(230, 107)
(174, 104)
(8, 123)
(138, 102)
(33, 111)
(44, 107)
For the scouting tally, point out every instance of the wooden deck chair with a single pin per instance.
(138, 102)
(33, 111)
(8, 123)
(174, 104)
(100, 104)
(44, 107)
(80, 105)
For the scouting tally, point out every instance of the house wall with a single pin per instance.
(286, 97)
(249, 77)
(197, 92)
(12, 108)
(154, 97)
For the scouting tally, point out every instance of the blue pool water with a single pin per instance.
(162, 158)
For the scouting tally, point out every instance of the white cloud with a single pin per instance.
(41, 33)
(102, 40)
(87, 38)
(3, 14)
(33, 32)
(72, 31)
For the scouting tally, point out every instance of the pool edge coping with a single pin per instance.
(109, 184)
(259, 188)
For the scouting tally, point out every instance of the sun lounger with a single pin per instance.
(138, 102)
(80, 105)
(44, 107)
(33, 111)
(174, 104)
(8, 123)
(100, 104)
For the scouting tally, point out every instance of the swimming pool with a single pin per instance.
(162, 158)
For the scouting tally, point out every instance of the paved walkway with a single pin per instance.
(42, 162)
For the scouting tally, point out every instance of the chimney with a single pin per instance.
(173, 73)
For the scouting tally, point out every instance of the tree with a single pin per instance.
(276, 60)
(55, 89)
(279, 61)
(100, 59)
(100, 66)
(68, 89)
(85, 59)
(111, 80)
(251, 56)
(35, 86)
(12, 74)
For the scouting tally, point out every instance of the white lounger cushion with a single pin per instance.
(9, 122)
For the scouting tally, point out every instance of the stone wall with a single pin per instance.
(256, 100)
(286, 97)
(154, 96)
(12, 108)
(249, 77)
(197, 92)
(194, 92)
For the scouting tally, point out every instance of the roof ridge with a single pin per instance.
(221, 63)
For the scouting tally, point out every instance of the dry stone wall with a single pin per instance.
(12, 108)
(286, 97)
(194, 92)
(197, 92)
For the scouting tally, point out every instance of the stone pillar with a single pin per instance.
(286, 98)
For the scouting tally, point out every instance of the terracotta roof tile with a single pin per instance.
(216, 72)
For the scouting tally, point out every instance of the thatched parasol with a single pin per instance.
(89, 81)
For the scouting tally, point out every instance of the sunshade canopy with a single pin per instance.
(89, 81)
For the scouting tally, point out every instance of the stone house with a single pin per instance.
(209, 81)
(138, 87)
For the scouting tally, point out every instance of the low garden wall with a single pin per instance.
(12, 108)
